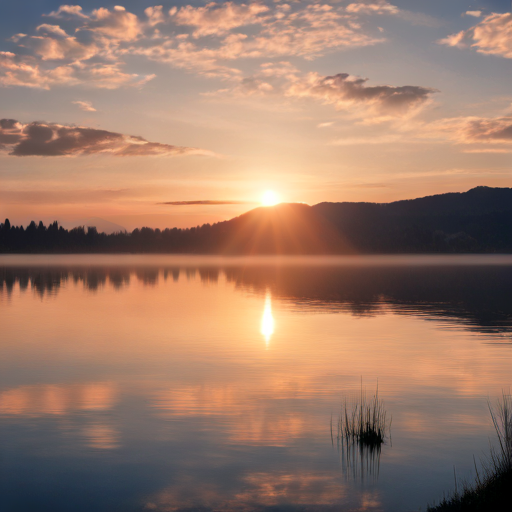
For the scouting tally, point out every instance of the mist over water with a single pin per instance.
(195, 383)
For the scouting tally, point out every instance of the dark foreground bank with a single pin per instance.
(494, 494)
(492, 491)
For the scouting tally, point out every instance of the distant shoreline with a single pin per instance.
(360, 260)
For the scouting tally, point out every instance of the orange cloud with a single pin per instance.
(379, 7)
(117, 25)
(471, 130)
(51, 139)
(155, 15)
(27, 72)
(474, 134)
(70, 10)
(53, 43)
(91, 48)
(308, 32)
(203, 202)
(54, 57)
(86, 106)
(217, 19)
(491, 36)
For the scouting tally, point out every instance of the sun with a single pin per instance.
(270, 198)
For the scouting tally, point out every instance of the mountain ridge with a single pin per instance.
(478, 220)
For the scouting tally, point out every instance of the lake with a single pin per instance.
(186, 383)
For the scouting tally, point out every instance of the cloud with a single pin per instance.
(348, 92)
(117, 25)
(371, 104)
(488, 150)
(378, 7)
(475, 14)
(327, 124)
(86, 106)
(491, 36)
(270, 79)
(24, 71)
(365, 141)
(205, 202)
(51, 139)
(310, 33)
(368, 185)
(471, 134)
(70, 10)
(474, 130)
(92, 48)
(187, 55)
(282, 31)
(155, 15)
(217, 19)
(53, 43)
(382, 7)
(88, 53)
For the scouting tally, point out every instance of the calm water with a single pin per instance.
(175, 383)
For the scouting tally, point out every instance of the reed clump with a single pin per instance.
(492, 491)
(365, 423)
(362, 430)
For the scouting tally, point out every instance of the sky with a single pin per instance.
(182, 113)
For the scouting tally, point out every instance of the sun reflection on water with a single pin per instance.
(267, 320)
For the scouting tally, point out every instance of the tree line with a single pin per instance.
(38, 238)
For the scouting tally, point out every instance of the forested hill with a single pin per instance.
(479, 220)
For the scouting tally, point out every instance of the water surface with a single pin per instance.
(131, 383)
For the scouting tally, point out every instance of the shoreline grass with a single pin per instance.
(492, 491)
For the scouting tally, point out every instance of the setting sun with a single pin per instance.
(270, 198)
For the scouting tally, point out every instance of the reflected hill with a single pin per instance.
(476, 296)
(477, 221)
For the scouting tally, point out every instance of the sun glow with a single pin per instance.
(270, 198)
(267, 321)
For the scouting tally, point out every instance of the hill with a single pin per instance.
(479, 220)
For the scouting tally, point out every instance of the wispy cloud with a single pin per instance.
(326, 124)
(212, 48)
(348, 92)
(22, 71)
(377, 7)
(51, 139)
(218, 19)
(370, 103)
(76, 47)
(492, 36)
(474, 130)
(67, 10)
(86, 106)
(364, 141)
(470, 134)
(204, 202)
(82, 49)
